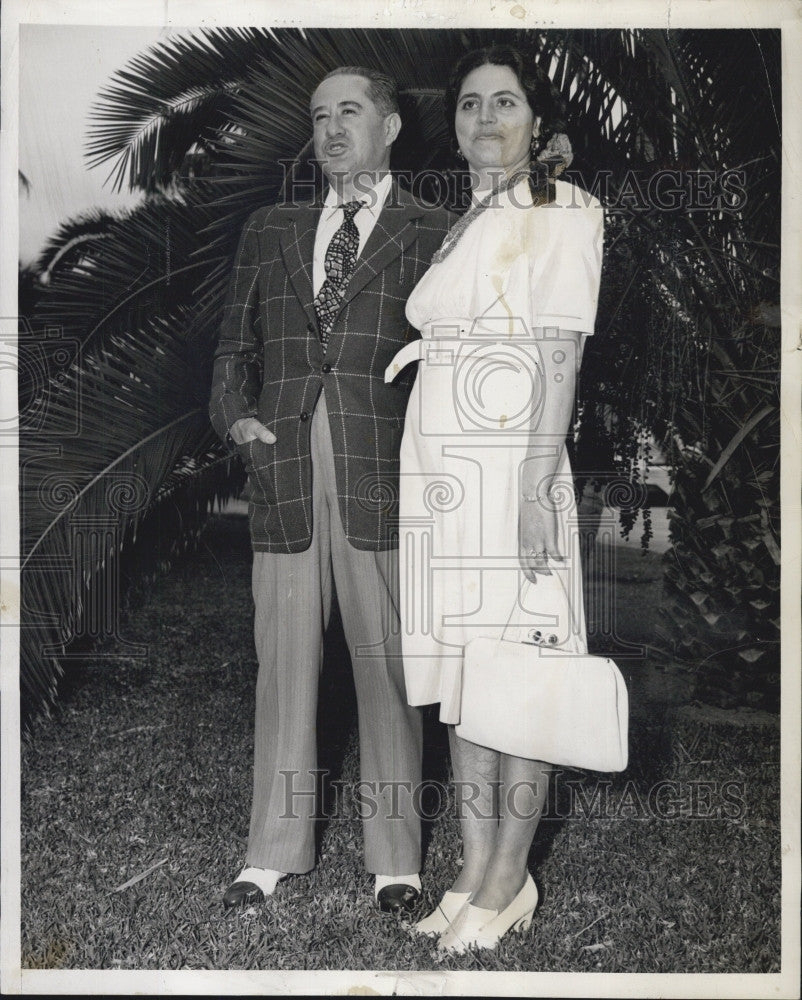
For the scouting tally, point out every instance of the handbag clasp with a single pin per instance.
(540, 638)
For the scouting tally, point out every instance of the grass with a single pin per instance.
(145, 769)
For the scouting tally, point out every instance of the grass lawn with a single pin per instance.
(136, 796)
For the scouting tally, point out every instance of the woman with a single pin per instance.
(503, 313)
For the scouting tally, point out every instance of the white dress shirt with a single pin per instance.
(331, 219)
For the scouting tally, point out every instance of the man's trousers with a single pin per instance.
(292, 595)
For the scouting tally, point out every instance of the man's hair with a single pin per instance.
(382, 89)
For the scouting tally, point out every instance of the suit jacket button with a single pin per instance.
(311, 328)
(326, 368)
(304, 415)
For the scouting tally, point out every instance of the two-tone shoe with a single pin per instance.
(252, 885)
(397, 898)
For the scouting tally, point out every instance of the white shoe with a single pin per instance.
(477, 927)
(447, 909)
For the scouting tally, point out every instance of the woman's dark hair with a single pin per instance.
(543, 98)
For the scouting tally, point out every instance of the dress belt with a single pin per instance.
(412, 352)
(416, 350)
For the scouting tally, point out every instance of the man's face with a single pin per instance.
(350, 135)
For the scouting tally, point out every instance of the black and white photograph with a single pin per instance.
(400, 519)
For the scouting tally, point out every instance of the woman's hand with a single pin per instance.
(538, 538)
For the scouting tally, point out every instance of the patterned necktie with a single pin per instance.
(339, 264)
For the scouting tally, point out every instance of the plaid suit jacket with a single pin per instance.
(270, 363)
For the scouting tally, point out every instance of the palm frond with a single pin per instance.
(166, 100)
(125, 430)
(104, 271)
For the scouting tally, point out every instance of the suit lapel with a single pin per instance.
(392, 234)
(394, 231)
(297, 244)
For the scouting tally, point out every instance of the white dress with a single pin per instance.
(471, 414)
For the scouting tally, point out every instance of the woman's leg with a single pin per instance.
(476, 778)
(522, 796)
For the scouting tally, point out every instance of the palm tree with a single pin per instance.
(212, 125)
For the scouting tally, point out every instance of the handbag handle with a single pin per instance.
(547, 641)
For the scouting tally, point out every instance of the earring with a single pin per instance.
(534, 145)
(460, 155)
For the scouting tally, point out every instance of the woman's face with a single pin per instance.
(493, 122)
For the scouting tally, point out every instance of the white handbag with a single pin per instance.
(543, 702)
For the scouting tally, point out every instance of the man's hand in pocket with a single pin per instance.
(248, 429)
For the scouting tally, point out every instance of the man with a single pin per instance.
(315, 314)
